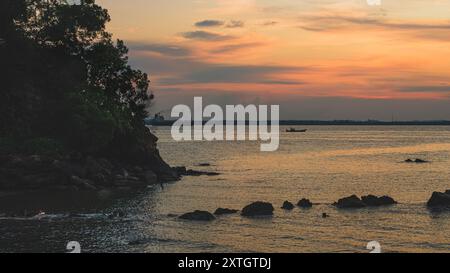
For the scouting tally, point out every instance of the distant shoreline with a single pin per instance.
(331, 122)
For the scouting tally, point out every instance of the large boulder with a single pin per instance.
(198, 215)
(439, 199)
(258, 209)
(222, 211)
(287, 205)
(305, 203)
(350, 202)
(374, 201)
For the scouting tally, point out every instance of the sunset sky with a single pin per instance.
(317, 59)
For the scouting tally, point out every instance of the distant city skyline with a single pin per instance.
(318, 60)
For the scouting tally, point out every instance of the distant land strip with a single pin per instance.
(323, 122)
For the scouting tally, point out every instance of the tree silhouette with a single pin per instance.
(65, 81)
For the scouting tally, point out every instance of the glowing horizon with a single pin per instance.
(361, 61)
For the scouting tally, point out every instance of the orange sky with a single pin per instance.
(347, 58)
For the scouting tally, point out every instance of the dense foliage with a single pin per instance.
(65, 84)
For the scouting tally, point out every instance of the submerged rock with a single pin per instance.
(287, 205)
(305, 203)
(374, 201)
(439, 199)
(324, 215)
(222, 211)
(417, 160)
(182, 171)
(198, 215)
(258, 209)
(350, 202)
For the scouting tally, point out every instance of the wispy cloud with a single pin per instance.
(426, 88)
(209, 23)
(415, 28)
(235, 47)
(159, 48)
(235, 24)
(206, 36)
(269, 23)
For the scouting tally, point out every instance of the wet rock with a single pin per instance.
(350, 203)
(304, 203)
(374, 201)
(198, 215)
(439, 200)
(182, 171)
(324, 215)
(258, 209)
(287, 205)
(222, 211)
(200, 173)
(204, 165)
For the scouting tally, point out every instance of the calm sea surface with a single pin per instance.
(324, 164)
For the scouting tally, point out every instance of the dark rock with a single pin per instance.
(374, 201)
(204, 165)
(198, 216)
(350, 202)
(150, 178)
(82, 183)
(305, 203)
(182, 171)
(199, 173)
(417, 160)
(179, 170)
(439, 199)
(287, 205)
(324, 215)
(258, 209)
(221, 211)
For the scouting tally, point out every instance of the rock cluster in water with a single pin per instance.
(366, 201)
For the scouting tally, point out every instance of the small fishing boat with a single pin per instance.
(293, 130)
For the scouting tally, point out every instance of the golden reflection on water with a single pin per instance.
(325, 164)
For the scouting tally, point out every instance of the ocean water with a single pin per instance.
(323, 165)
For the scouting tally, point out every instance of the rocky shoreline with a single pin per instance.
(75, 172)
